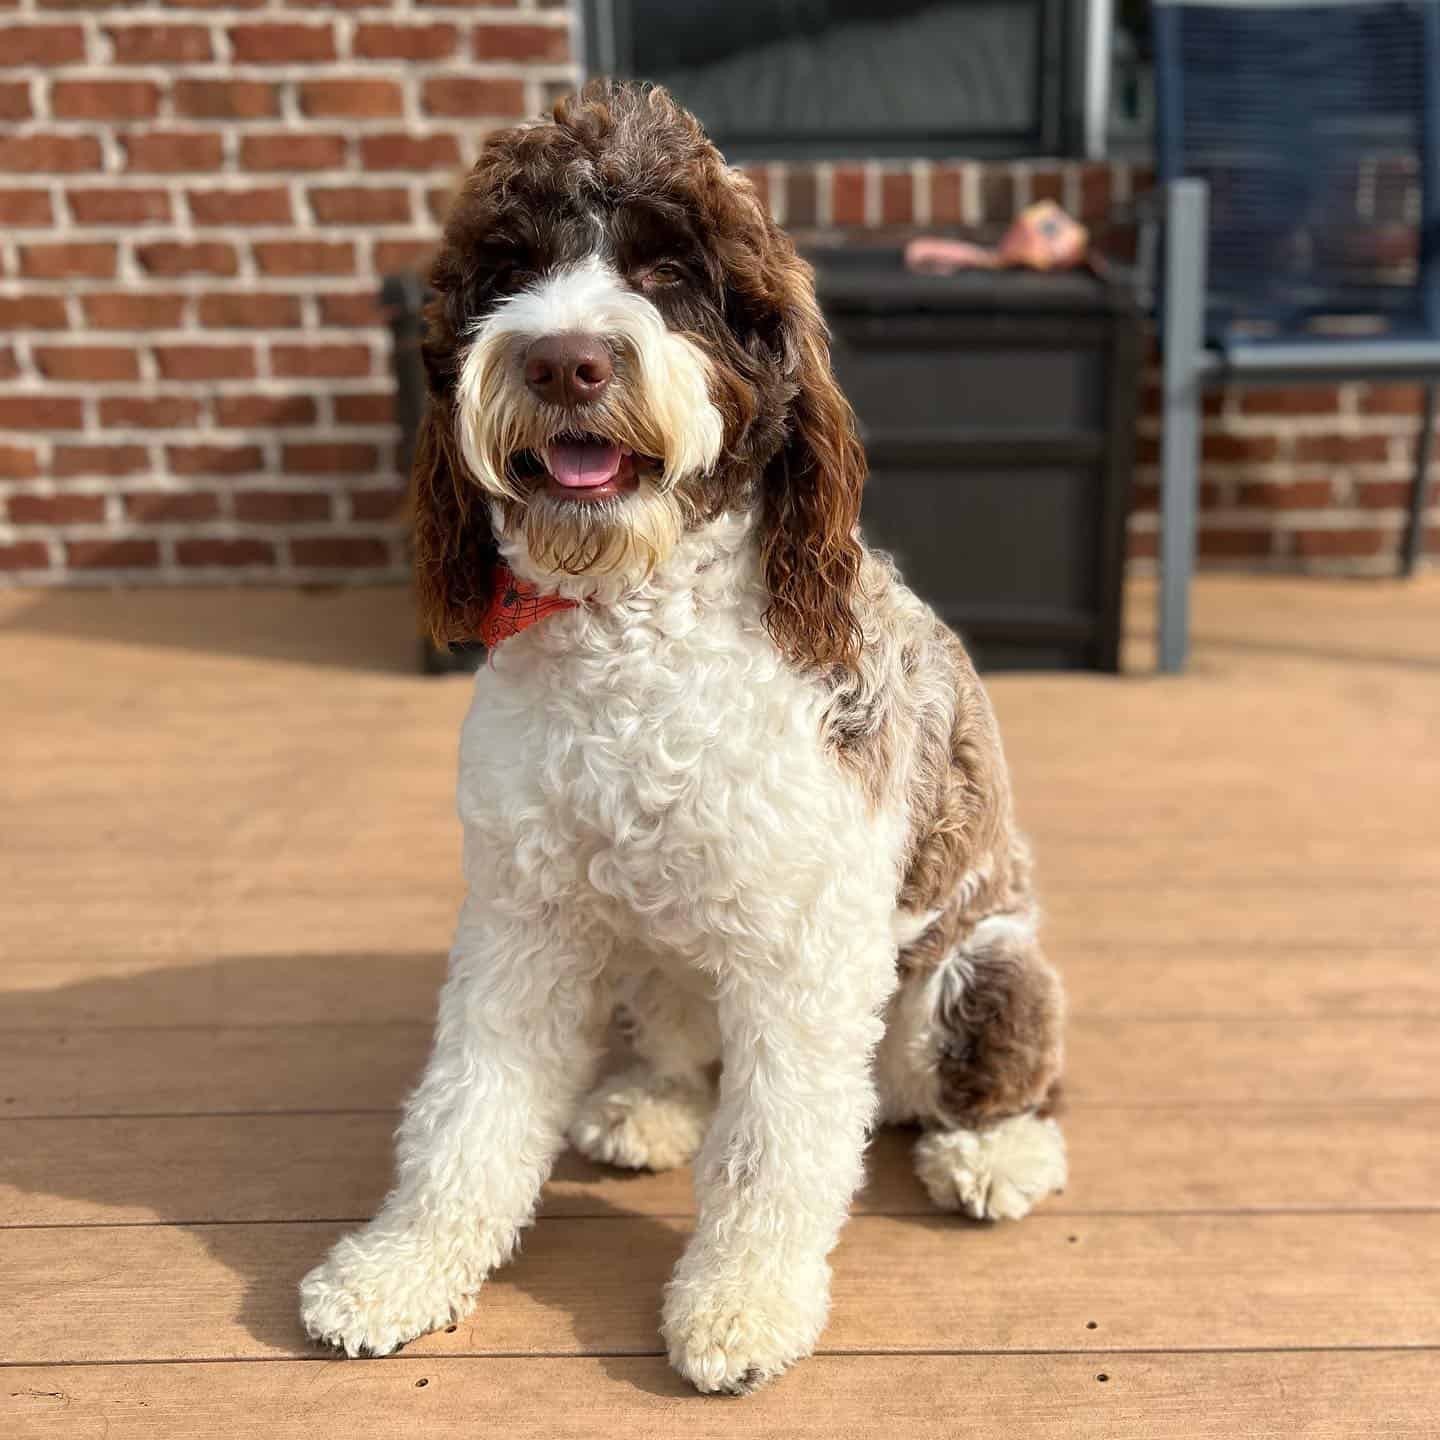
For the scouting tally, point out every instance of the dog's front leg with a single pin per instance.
(781, 1161)
(515, 1043)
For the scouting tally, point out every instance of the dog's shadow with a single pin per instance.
(268, 1217)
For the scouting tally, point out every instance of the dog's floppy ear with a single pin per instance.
(811, 490)
(455, 550)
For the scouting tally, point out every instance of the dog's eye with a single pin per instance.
(661, 275)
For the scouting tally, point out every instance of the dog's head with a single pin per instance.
(622, 344)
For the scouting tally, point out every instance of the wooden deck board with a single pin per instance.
(1154, 1282)
(231, 869)
(337, 1166)
(858, 1397)
(215, 1070)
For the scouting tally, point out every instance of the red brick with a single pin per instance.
(134, 310)
(1046, 183)
(361, 309)
(205, 362)
(1095, 192)
(281, 507)
(112, 554)
(759, 178)
(87, 362)
(173, 152)
(393, 255)
(39, 153)
(361, 99)
(472, 4)
(210, 552)
(305, 257)
(281, 44)
(330, 458)
(41, 412)
(15, 101)
(18, 462)
(214, 4)
(523, 42)
(263, 412)
(405, 42)
(1305, 400)
(360, 205)
(473, 95)
(104, 99)
(158, 506)
(1142, 545)
(341, 552)
(159, 44)
(159, 412)
(246, 310)
(63, 261)
(294, 152)
(1328, 544)
(1342, 449)
(71, 460)
(801, 197)
(214, 459)
(847, 195)
(9, 364)
(190, 257)
(25, 207)
(1287, 495)
(897, 200)
(1391, 399)
(1233, 544)
(24, 555)
(947, 194)
(268, 206)
(378, 504)
(409, 152)
(227, 99)
(1224, 448)
(56, 509)
(1384, 494)
(997, 195)
(32, 312)
(327, 361)
(118, 207)
(41, 45)
(378, 409)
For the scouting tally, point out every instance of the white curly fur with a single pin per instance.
(647, 802)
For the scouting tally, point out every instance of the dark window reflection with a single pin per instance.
(894, 76)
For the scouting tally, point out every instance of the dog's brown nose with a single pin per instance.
(568, 370)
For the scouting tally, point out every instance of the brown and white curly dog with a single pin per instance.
(735, 780)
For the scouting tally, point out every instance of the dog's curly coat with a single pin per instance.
(748, 793)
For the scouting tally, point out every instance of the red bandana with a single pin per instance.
(515, 605)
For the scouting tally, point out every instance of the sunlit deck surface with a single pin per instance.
(230, 870)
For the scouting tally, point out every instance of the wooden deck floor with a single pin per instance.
(229, 874)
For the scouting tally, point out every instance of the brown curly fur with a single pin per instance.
(635, 157)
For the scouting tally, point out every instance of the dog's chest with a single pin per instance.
(658, 765)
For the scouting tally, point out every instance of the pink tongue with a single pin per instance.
(582, 464)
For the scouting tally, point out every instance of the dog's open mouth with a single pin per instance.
(584, 467)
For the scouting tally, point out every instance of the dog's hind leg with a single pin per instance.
(652, 1115)
(973, 1051)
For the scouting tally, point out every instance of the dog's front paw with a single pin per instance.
(376, 1291)
(642, 1122)
(995, 1174)
(730, 1339)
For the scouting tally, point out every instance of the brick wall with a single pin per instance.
(195, 204)
(197, 201)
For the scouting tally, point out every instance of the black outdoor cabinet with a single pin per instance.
(998, 412)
